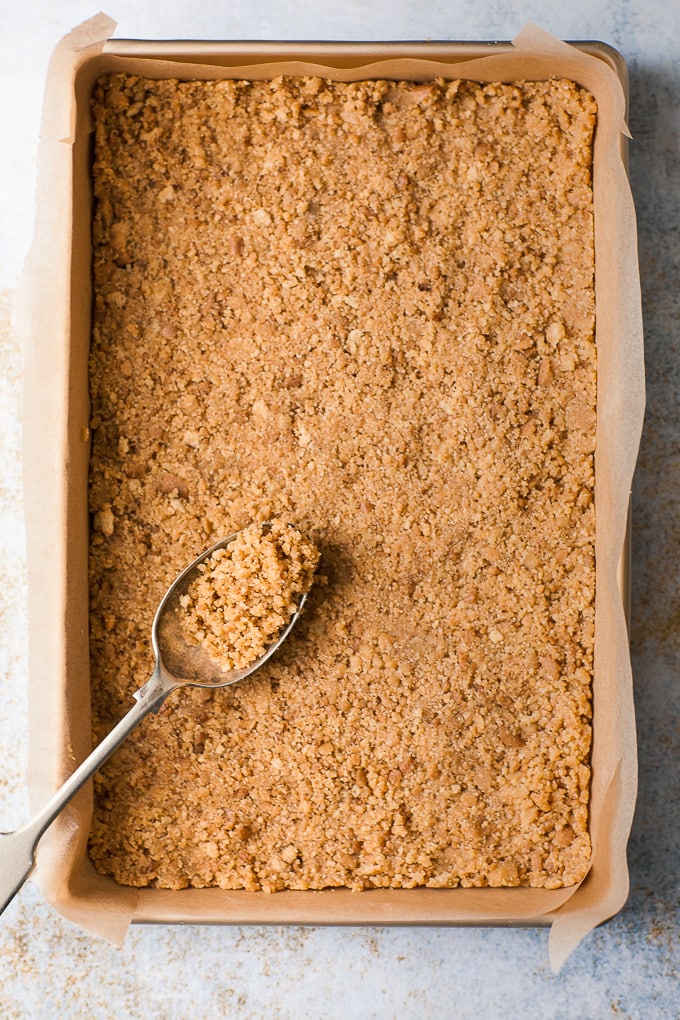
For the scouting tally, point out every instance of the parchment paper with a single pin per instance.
(53, 317)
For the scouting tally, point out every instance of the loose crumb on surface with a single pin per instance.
(247, 593)
(367, 308)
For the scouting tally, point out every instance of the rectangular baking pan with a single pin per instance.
(56, 445)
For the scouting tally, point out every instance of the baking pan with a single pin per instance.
(54, 315)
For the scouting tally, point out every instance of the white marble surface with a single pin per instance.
(628, 968)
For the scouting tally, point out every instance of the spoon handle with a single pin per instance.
(17, 849)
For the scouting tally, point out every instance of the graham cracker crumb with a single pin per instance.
(367, 308)
(247, 593)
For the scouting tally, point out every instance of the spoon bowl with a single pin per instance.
(189, 665)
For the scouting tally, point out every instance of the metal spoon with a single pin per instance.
(178, 664)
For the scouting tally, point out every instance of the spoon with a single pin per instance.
(178, 664)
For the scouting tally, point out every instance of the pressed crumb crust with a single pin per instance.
(367, 308)
(246, 593)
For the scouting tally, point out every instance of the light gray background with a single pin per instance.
(628, 968)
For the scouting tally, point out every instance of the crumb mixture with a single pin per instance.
(247, 593)
(367, 308)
